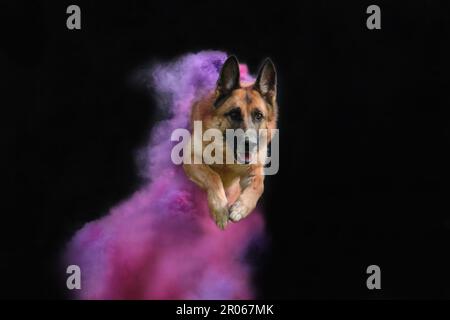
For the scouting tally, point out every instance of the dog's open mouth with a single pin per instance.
(244, 152)
(246, 157)
(243, 157)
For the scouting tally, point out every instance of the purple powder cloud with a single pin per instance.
(161, 243)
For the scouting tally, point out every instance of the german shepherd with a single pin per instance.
(234, 189)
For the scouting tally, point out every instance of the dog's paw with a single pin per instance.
(219, 210)
(221, 218)
(238, 211)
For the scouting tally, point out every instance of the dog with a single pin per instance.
(233, 190)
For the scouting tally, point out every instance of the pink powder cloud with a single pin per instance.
(161, 243)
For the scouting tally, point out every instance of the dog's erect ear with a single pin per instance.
(228, 79)
(266, 82)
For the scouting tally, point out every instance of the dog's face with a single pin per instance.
(248, 107)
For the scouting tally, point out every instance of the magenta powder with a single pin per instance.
(161, 243)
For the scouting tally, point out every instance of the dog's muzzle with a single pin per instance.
(246, 148)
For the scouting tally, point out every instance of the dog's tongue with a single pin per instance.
(247, 157)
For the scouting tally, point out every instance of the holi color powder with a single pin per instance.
(161, 243)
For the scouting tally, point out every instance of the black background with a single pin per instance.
(364, 172)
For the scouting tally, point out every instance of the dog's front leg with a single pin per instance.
(252, 187)
(210, 181)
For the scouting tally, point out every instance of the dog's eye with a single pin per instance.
(258, 116)
(235, 115)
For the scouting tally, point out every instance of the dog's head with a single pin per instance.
(248, 107)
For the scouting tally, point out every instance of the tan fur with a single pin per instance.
(233, 189)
